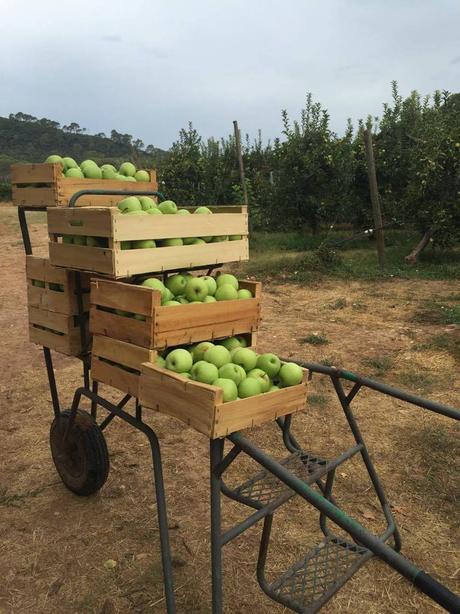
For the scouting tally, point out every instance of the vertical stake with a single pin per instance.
(240, 161)
(373, 188)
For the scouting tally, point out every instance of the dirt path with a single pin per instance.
(54, 545)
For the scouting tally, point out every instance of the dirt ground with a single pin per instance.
(55, 546)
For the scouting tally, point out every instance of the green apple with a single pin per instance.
(211, 283)
(246, 358)
(270, 363)
(179, 360)
(202, 210)
(204, 372)
(196, 289)
(79, 240)
(200, 349)
(67, 238)
(206, 239)
(55, 159)
(168, 207)
(156, 284)
(161, 362)
(186, 375)
(143, 244)
(235, 238)
(39, 283)
(262, 377)
(209, 299)
(69, 163)
(232, 371)
(127, 169)
(126, 245)
(87, 163)
(244, 294)
(188, 276)
(166, 296)
(273, 387)
(171, 304)
(219, 239)
(177, 284)
(183, 212)
(217, 355)
(139, 316)
(109, 173)
(170, 242)
(135, 212)
(242, 372)
(120, 177)
(229, 388)
(226, 292)
(226, 278)
(243, 341)
(193, 241)
(182, 300)
(154, 211)
(249, 387)
(74, 173)
(142, 176)
(92, 172)
(124, 314)
(147, 203)
(110, 166)
(231, 343)
(290, 374)
(131, 203)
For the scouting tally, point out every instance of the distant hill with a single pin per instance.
(24, 138)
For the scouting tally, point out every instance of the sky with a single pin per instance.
(148, 67)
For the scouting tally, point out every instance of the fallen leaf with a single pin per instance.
(369, 515)
(110, 564)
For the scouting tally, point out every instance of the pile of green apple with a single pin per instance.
(90, 170)
(238, 370)
(144, 205)
(182, 289)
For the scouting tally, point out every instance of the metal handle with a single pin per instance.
(89, 192)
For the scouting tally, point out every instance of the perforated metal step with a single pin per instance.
(264, 488)
(315, 578)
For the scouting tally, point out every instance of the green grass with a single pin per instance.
(292, 257)
(446, 342)
(318, 400)
(416, 380)
(379, 365)
(315, 339)
(437, 312)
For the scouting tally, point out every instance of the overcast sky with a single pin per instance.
(148, 67)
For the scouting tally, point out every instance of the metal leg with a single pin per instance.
(24, 230)
(216, 448)
(95, 389)
(52, 383)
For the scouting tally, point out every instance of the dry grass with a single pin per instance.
(54, 545)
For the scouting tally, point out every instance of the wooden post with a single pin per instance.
(373, 188)
(240, 161)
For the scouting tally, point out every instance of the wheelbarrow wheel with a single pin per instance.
(81, 458)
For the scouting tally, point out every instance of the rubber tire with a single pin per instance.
(82, 460)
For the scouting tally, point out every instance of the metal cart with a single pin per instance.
(80, 454)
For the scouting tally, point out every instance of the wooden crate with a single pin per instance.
(118, 364)
(53, 288)
(57, 331)
(111, 224)
(201, 406)
(168, 326)
(43, 185)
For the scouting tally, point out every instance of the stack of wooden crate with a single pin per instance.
(127, 322)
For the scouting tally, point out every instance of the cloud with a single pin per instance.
(111, 38)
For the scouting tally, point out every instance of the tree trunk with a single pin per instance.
(412, 257)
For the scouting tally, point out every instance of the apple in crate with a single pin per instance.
(225, 279)
(177, 284)
(168, 207)
(204, 372)
(202, 210)
(147, 203)
(170, 242)
(69, 163)
(55, 159)
(244, 294)
(226, 292)
(74, 173)
(143, 244)
(270, 363)
(229, 388)
(131, 203)
(233, 372)
(196, 289)
(92, 172)
(109, 173)
(127, 169)
(211, 283)
(217, 355)
(200, 349)
(142, 176)
(249, 387)
(262, 377)
(245, 357)
(231, 343)
(290, 374)
(179, 361)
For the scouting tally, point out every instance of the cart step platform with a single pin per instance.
(318, 575)
(265, 489)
